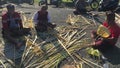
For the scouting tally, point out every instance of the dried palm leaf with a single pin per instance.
(50, 52)
(72, 19)
(103, 31)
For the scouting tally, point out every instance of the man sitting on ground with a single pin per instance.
(104, 44)
(12, 26)
(42, 20)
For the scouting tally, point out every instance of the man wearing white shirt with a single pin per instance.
(42, 20)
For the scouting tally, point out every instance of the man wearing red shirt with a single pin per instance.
(106, 43)
(12, 26)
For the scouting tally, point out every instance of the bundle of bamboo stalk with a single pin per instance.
(68, 40)
(48, 53)
(75, 20)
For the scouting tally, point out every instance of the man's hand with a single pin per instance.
(91, 44)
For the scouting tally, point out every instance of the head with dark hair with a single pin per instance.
(44, 8)
(10, 8)
(110, 17)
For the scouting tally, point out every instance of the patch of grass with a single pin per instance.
(67, 1)
(36, 1)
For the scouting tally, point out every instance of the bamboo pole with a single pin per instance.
(3, 64)
(67, 51)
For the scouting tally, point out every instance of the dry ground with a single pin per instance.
(59, 15)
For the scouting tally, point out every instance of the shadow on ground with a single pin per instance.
(113, 55)
(13, 53)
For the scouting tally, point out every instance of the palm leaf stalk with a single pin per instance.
(45, 63)
(8, 60)
(88, 62)
(50, 61)
(80, 58)
(27, 51)
(73, 42)
(67, 51)
(68, 41)
(3, 64)
(92, 63)
(85, 19)
(40, 58)
(27, 23)
(45, 55)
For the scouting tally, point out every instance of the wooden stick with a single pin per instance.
(85, 19)
(67, 51)
(117, 15)
(3, 64)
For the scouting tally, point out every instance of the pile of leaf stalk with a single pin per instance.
(64, 42)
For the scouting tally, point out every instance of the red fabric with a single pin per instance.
(114, 30)
(115, 33)
(5, 20)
